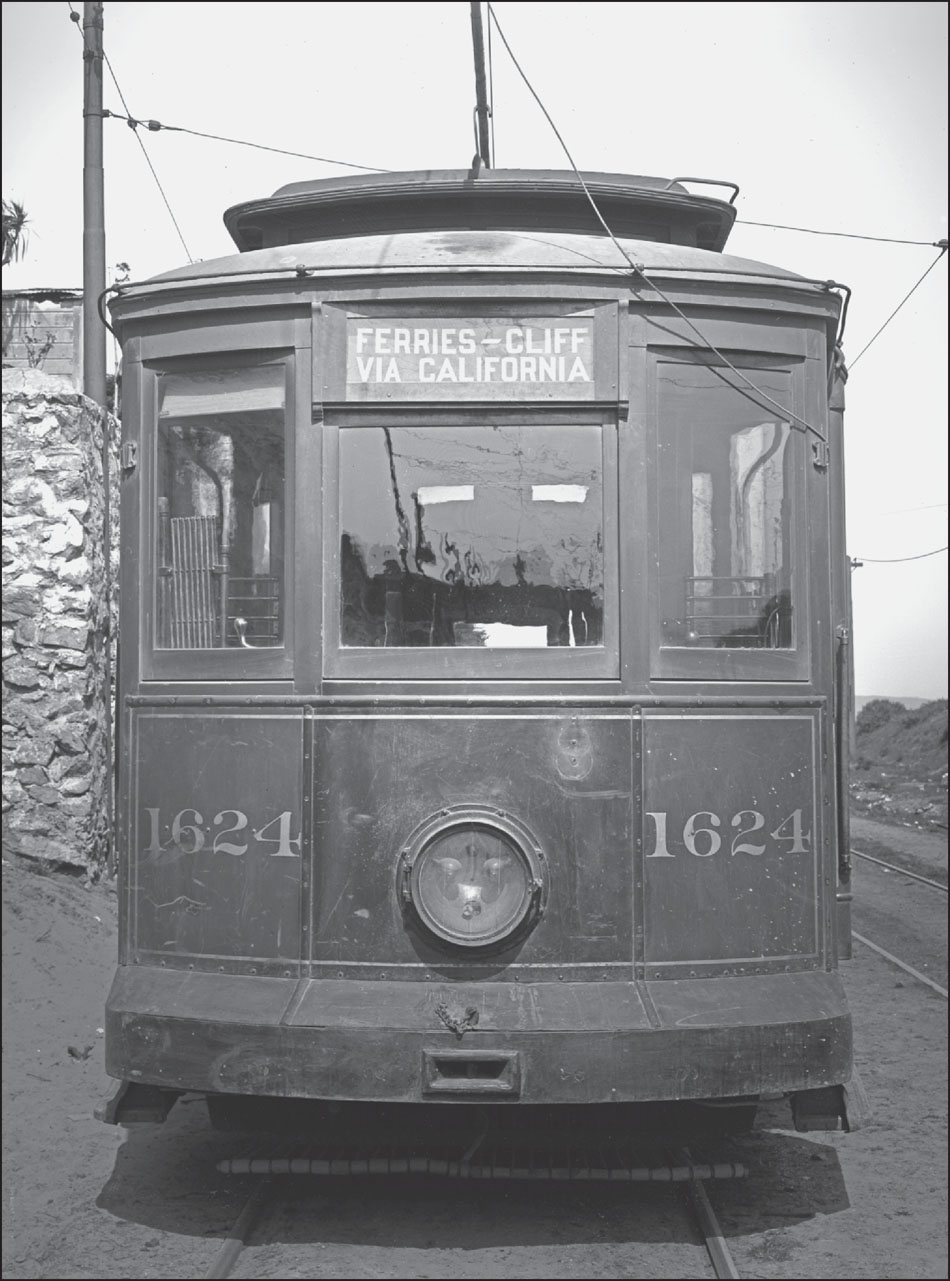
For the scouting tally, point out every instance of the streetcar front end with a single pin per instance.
(482, 610)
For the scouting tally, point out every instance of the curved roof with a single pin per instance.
(482, 251)
(660, 209)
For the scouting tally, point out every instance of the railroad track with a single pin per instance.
(682, 1172)
(936, 886)
(894, 867)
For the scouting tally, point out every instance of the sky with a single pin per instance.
(830, 117)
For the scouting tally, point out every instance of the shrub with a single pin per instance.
(877, 713)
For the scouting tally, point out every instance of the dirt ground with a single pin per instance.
(78, 1195)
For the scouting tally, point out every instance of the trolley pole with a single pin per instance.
(93, 209)
(481, 89)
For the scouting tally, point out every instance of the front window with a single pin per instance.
(220, 509)
(724, 511)
(471, 537)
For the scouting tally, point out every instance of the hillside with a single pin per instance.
(862, 700)
(899, 768)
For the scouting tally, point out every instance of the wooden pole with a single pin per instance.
(94, 341)
(93, 208)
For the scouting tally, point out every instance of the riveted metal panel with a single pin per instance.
(215, 839)
(566, 778)
(731, 839)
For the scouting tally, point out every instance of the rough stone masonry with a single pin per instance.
(59, 597)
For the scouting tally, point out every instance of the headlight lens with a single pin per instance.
(473, 881)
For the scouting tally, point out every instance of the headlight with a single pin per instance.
(473, 876)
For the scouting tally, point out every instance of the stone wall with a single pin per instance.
(59, 597)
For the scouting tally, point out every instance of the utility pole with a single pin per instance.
(93, 209)
(481, 92)
(94, 344)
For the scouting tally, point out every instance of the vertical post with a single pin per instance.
(94, 337)
(844, 652)
(481, 89)
(93, 226)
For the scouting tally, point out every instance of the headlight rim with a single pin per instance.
(515, 833)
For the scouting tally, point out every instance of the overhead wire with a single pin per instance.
(942, 245)
(787, 414)
(849, 235)
(903, 511)
(133, 125)
(154, 126)
(898, 560)
(943, 250)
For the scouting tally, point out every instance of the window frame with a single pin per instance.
(224, 663)
(471, 663)
(740, 663)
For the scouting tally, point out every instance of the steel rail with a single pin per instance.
(908, 969)
(232, 1246)
(689, 1173)
(719, 1254)
(894, 867)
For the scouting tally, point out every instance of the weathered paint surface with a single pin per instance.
(215, 842)
(728, 848)
(731, 837)
(569, 1043)
(567, 778)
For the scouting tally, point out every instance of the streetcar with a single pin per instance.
(484, 692)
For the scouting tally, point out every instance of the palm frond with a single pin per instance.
(15, 236)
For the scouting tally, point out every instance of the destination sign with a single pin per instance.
(497, 358)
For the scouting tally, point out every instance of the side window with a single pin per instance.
(726, 574)
(220, 509)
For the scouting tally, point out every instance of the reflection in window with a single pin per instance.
(471, 536)
(724, 511)
(220, 509)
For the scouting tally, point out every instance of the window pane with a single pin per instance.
(724, 511)
(220, 509)
(471, 536)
